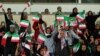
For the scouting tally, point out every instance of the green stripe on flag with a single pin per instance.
(76, 47)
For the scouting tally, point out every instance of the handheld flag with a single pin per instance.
(66, 21)
(41, 38)
(76, 47)
(73, 22)
(24, 23)
(82, 26)
(15, 38)
(35, 18)
(3, 42)
(60, 17)
(80, 17)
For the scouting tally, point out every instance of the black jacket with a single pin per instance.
(64, 52)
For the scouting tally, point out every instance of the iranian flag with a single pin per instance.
(3, 42)
(80, 17)
(82, 26)
(41, 38)
(60, 18)
(28, 4)
(15, 38)
(24, 23)
(35, 18)
(1, 5)
(76, 47)
(73, 22)
(66, 21)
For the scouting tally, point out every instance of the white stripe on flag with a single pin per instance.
(41, 38)
(35, 18)
(24, 24)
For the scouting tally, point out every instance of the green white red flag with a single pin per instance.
(41, 38)
(66, 21)
(73, 22)
(15, 38)
(80, 17)
(76, 47)
(35, 18)
(60, 17)
(24, 23)
(3, 42)
(82, 26)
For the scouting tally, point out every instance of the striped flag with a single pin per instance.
(35, 18)
(66, 21)
(80, 17)
(3, 42)
(60, 18)
(73, 22)
(1, 5)
(15, 38)
(41, 38)
(76, 47)
(29, 41)
(82, 26)
(28, 4)
(24, 23)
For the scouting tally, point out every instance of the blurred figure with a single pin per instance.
(1, 35)
(90, 20)
(96, 32)
(3, 26)
(97, 52)
(24, 18)
(46, 11)
(49, 42)
(59, 11)
(43, 51)
(9, 19)
(10, 41)
(83, 51)
(39, 27)
(74, 12)
(61, 46)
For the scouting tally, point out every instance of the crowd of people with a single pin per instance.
(59, 40)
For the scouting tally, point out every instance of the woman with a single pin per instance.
(90, 20)
(74, 12)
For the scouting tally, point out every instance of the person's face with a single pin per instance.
(75, 10)
(46, 10)
(43, 51)
(11, 29)
(83, 47)
(9, 11)
(97, 26)
(48, 31)
(25, 16)
(62, 34)
(90, 13)
(59, 9)
(98, 48)
(66, 28)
